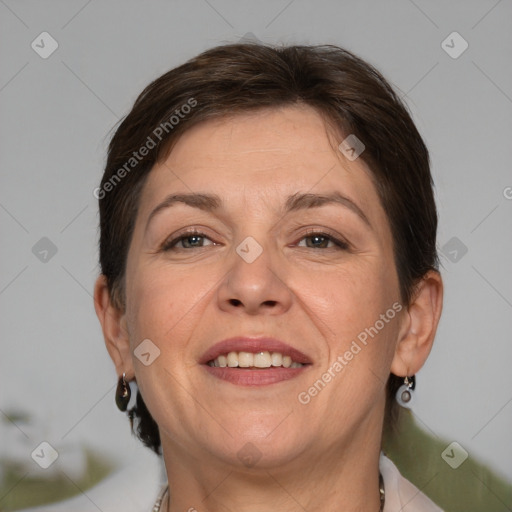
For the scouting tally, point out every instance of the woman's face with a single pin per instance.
(269, 261)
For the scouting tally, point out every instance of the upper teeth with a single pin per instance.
(257, 360)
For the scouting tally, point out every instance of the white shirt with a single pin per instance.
(402, 495)
(135, 489)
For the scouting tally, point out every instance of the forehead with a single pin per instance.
(272, 151)
(277, 132)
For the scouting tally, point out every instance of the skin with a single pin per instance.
(303, 290)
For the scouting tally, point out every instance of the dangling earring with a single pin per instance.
(123, 393)
(405, 395)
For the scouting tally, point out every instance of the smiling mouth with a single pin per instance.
(254, 361)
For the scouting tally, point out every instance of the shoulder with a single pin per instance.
(402, 495)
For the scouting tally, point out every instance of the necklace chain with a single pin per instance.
(158, 503)
(382, 493)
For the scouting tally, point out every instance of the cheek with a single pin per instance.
(350, 298)
(349, 304)
(159, 301)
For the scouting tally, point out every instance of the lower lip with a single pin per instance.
(256, 377)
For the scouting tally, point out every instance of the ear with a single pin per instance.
(418, 326)
(113, 324)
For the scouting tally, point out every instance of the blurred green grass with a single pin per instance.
(19, 491)
(472, 487)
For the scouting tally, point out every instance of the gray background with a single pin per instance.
(57, 114)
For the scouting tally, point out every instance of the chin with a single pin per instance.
(257, 449)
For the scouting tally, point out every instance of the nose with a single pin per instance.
(255, 287)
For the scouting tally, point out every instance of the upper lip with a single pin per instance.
(254, 345)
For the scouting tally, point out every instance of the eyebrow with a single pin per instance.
(295, 202)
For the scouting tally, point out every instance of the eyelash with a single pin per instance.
(170, 245)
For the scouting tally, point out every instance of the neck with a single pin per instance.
(343, 476)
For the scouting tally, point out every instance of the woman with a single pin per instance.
(269, 278)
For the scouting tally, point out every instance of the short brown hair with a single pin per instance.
(350, 94)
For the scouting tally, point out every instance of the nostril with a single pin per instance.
(237, 302)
